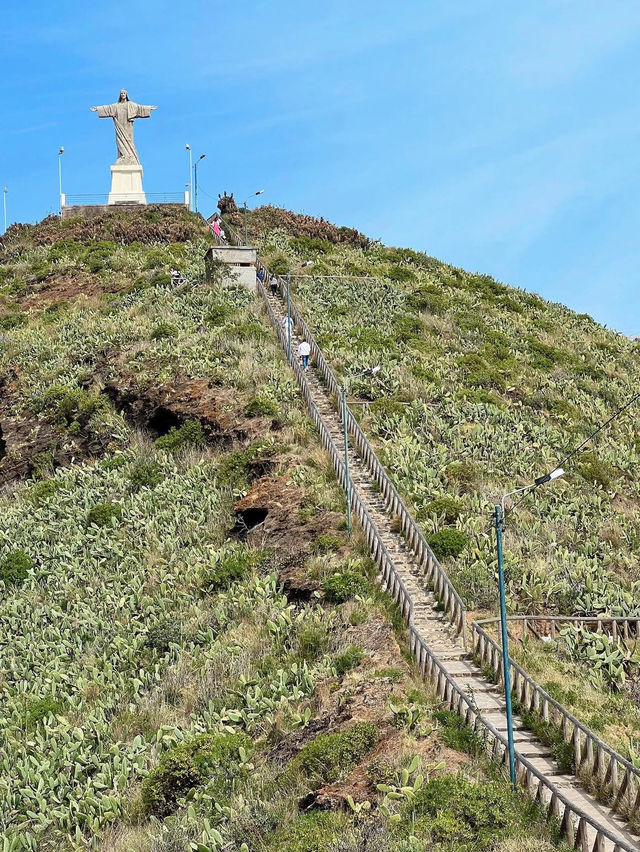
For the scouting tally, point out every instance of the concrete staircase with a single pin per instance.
(436, 630)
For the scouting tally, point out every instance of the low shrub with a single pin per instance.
(401, 273)
(312, 831)
(448, 542)
(230, 565)
(234, 467)
(340, 587)
(348, 659)
(217, 315)
(279, 265)
(329, 757)
(9, 321)
(453, 810)
(326, 543)
(543, 356)
(114, 462)
(424, 374)
(15, 567)
(216, 758)
(67, 406)
(455, 734)
(103, 515)
(156, 259)
(41, 492)
(42, 464)
(311, 643)
(595, 470)
(39, 708)
(310, 244)
(386, 407)
(163, 634)
(160, 279)
(163, 331)
(190, 434)
(407, 326)
(40, 270)
(145, 475)
(261, 406)
(463, 474)
(444, 508)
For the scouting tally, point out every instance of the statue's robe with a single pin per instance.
(124, 113)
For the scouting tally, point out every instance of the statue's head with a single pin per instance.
(123, 95)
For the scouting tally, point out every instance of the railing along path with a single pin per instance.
(588, 826)
(613, 776)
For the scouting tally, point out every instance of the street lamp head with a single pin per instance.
(202, 156)
(187, 147)
(549, 477)
(307, 263)
(260, 192)
(61, 151)
(375, 370)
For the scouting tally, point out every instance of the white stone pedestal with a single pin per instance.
(126, 184)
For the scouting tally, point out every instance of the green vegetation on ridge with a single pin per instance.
(166, 687)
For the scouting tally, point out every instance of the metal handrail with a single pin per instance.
(435, 574)
(573, 819)
(460, 702)
(619, 626)
(618, 773)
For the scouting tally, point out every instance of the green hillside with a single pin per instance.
(193, 654)
(483, 388)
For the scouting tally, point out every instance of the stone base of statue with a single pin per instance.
(126, 184)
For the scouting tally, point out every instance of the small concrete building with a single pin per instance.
(240, 260)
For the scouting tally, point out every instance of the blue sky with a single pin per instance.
(501, 137)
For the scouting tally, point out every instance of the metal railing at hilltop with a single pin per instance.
(99, 199)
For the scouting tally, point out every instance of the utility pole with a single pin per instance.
(190, 184)
(499, 519)
(195, 180)
(4, 205)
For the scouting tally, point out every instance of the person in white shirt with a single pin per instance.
(304, 350)
(287, 324)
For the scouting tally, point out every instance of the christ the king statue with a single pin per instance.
(124, 113)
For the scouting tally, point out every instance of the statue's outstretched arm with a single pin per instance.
(106, 111)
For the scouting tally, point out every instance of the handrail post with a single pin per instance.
(505, 648)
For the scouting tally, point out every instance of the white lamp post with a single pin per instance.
(60, 153)
(188, 148)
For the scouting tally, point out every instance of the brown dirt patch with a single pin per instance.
(159, 409)
(64, 288)
(278, 500)
(360, 696)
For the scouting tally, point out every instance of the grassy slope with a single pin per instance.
(484, 387)
(135, 623)
(504, 382)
